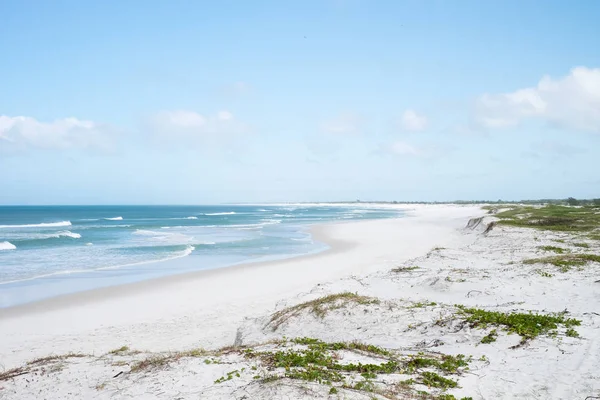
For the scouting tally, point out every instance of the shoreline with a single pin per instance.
(60, 284)
(126, 289)
(210, 305)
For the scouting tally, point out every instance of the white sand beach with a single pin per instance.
(418, 268)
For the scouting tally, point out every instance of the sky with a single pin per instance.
(206, 102)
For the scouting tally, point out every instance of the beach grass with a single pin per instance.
(13, 373)
(121, 349)
(554, 249)
(53, 358)
(566, 261)
(582, 245)
(319, 307)
(405, 269)
(423, 304)
(38, 363)
(150, 363)
(158, 361)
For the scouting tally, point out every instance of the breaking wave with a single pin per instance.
(42, 225)
(222, 213)
(67, 234)
(188, 250)
(7, 246)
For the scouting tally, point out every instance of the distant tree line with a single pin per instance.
(574, 202)
(571, 201)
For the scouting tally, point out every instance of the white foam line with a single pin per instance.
(42, 225)
(7, 246)
(222, 213)
(185, 253)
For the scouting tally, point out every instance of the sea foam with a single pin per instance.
(222, 213)
(68, 234)
(7, 246)
(42, 225)
(145, 232)
(189, 249)
(41, 235)
(114, 219)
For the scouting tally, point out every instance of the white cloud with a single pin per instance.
(224, 115)
(413, 121)
(345, 124)
(190, 124)
(184, 128)
(571, 102)
(64, 133)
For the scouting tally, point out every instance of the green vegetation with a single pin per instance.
(319, 362)
(571, 333)
(199, 352)
(432, 379)
(446, 363)
(544, 273)
(423, 304)
(229, 376)
(356, 346)
(553, 217)
(121, 349)
(405, 269)
(582, 245)
(310, 360)
(554, 249)
(490, 337)
(526, 325)
(319, 307)
(566, 261)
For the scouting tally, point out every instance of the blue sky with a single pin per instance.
(199, 102)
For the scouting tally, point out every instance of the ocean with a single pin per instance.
(46, 251)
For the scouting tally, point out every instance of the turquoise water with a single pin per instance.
(47, 251)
